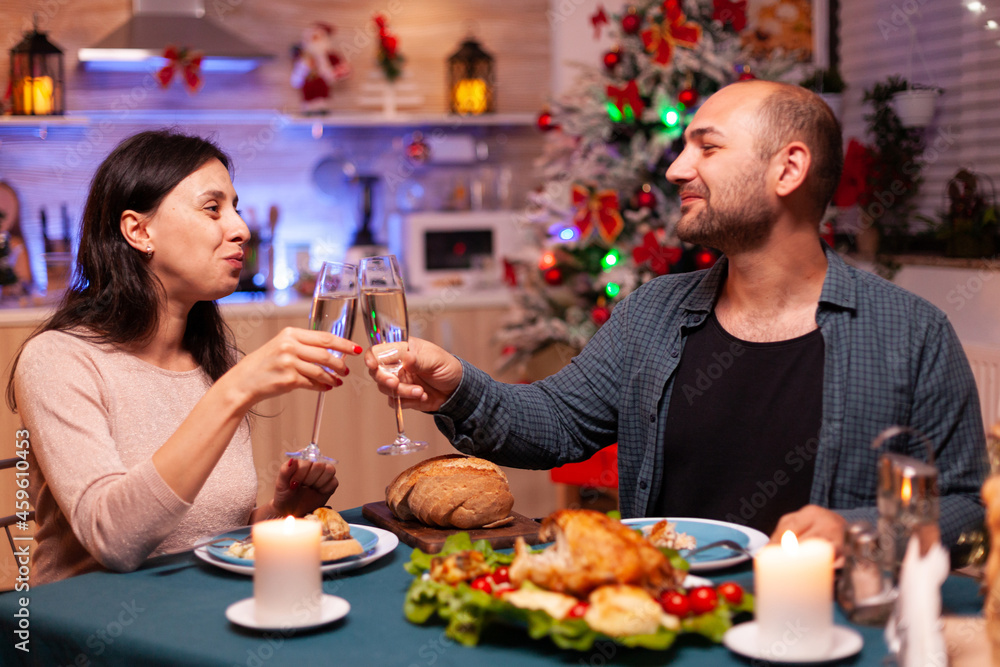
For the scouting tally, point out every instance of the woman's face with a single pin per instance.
(197, 235)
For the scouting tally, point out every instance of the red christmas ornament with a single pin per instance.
(704, 259)
(631, 22)
(553, 276)
(545, 123)
(688, 97)
(746, 74)
(418, 151)
(645, 197)
(611, 59)
(600, 314)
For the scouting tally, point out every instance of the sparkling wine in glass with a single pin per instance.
(333, 310)
(383, 307)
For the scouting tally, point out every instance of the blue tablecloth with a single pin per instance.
(172, 612)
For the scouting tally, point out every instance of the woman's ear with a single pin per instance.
(134, 229)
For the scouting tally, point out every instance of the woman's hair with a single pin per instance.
(114, 297)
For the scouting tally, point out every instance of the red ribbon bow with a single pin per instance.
(675, 30)
(185, 61)
(733, 14)
(660, 257)
(597, 209)
(598, 19)
(627, 97)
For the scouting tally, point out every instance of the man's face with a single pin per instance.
(722, 180)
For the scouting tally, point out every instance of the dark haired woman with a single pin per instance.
(134, 400)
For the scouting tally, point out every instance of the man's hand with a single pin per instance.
(428, 378)
(815, 521)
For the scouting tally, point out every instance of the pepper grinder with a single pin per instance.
(908, 502)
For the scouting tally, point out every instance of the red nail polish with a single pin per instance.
(357, 349)
(294, 485)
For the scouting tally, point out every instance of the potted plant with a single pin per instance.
(915, 105)
(894, 174)
(969, 224)
(828, 84)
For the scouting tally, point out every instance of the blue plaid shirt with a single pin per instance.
(890, 358)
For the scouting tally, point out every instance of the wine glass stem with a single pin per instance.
(399, 418)
(318, 419)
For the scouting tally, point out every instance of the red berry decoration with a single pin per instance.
(732, 592)
(545, 123)
(631, 22)
(675, 603)
(645, 197)
(688, 97)
(553, 276)
(746, 74)
(600, 314)
(611, 59)
(703, 599)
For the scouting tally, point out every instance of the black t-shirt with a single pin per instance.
(742, 428)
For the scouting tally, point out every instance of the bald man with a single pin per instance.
(749, 392)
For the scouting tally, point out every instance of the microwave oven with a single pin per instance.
(457, 249)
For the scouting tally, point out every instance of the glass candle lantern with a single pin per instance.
(471, 80)
(36, 76)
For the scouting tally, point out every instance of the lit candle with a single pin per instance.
(470, 96)
(37, 94)
(793, 586)
(287, 581)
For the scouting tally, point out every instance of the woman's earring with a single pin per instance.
(149, 252)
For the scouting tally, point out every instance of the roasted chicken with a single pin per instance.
(591, 550)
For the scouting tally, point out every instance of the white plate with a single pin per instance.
(386, 543)
(742, 639)
(709, 530)
(332, 608)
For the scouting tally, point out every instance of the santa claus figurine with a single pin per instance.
(317, 67)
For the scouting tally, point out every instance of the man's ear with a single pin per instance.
(134, 229)
(794, 161)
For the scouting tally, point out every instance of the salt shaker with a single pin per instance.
(864, 590)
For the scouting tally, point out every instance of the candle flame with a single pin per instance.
(906, 491)
(288, 523)
(789, 542)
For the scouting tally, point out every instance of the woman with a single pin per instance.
(134, 402)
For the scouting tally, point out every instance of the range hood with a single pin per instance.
(157, 24)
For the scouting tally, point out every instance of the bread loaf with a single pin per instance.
(451, 491)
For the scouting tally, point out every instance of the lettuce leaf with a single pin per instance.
(420, 562)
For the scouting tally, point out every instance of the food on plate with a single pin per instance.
(591, 550)
(452, 491)
(470, 586)
(664, 535)
(621, 610)
(335, 541)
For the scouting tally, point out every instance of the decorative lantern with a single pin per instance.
(36, 76)
(471, 80)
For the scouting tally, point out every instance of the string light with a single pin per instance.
(548, 260)
(568, 234)
(610, 260)
(976, 7)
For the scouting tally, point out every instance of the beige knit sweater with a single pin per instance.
(95, 415)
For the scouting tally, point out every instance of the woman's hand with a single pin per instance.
(301, 487)
(294, 359)
(428, 378)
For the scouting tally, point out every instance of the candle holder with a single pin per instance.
(36, 76)
(908, 501)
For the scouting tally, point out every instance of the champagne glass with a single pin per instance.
(333, 310)
(383, 307)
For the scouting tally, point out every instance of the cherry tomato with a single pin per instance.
(731, 591)
(675, 603)
(578, 610)
(501, 575)
(482, 583)
(703, 599)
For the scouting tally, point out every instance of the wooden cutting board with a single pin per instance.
(431, 540)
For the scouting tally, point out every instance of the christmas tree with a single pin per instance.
(603, 220)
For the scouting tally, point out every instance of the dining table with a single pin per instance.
(172, 611)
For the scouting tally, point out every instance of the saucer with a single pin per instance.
(332, 608)
(742, 639)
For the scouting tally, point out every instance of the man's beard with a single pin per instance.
(742, 222)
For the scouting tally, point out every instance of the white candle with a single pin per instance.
(287, 581)
(793, 586)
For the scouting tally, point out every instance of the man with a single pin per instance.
(752, 391)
